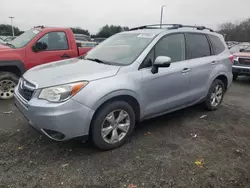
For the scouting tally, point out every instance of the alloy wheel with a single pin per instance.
(216, 95)
(115, 126)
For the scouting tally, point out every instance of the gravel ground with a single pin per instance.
(176, 150)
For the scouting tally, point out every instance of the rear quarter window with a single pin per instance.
(217, 44)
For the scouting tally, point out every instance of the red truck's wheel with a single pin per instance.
(235, 76)
(8, 82)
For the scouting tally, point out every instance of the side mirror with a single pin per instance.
(160, 61)
(241, 50)
(39, 46)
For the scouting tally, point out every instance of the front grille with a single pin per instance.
(244, 61)
(25, 93)
(26, 89)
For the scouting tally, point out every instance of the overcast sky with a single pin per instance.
(93, 14)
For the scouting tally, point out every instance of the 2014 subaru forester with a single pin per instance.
(132, 76)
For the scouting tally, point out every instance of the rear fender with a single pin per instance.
(218, 71)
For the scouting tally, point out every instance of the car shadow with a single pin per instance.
(169, 120)
(244, 80)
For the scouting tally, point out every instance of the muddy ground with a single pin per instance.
(176, 150)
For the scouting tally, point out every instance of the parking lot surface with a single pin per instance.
(189, 148)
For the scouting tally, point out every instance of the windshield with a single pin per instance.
(24, 38)
(1, 41)
(247, 49)
(121, 49)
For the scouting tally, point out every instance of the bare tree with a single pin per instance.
(236, 32)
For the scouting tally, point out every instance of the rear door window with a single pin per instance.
(172, 46)
(197, 46)
(218, 46)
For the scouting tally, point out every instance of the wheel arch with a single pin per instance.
(128, 96)
(14, 66)
(224, 79)
(221, 75)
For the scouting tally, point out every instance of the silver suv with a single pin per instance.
(132, 76)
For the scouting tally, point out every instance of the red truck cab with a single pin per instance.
(36, 46)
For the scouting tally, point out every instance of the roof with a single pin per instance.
(49, 28)
(150, 31)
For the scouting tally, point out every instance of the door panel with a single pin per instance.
(201, 63)
(165, 90)
(200, 71)
(57, 49)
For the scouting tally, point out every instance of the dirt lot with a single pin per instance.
(161, 153)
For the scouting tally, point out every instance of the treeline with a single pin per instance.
(78, 30)
(232, 31)
(236, 32)
(6, 30)
(107, 31)
(104, 32)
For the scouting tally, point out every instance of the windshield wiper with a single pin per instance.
(98, 60)
(11, 45)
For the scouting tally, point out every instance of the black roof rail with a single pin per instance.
(198, 27)
(171, 26)
(153, 26)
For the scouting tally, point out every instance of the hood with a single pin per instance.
(4, 47)
(242, 54)
(67, 71)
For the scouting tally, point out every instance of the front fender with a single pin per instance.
(99, 91)
(114, 94)
(12, 54)
(13, 57)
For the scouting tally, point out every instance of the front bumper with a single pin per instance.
(58, 121)
(241, 70)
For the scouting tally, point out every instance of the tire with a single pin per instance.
(209, 102)
(8, 81)
(100, 122)
(235, 76)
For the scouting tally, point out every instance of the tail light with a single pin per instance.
(231, 58)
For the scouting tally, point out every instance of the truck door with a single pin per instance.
(58, 48)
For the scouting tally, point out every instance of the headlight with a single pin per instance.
(236, 59)
(62, 92)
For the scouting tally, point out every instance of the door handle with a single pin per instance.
(214, 62)
(64, 56)
(185, 70)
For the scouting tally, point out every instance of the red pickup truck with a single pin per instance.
(241, 64)
(36, 46)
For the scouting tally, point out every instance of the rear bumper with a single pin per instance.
(241, 70)
(58, 121)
